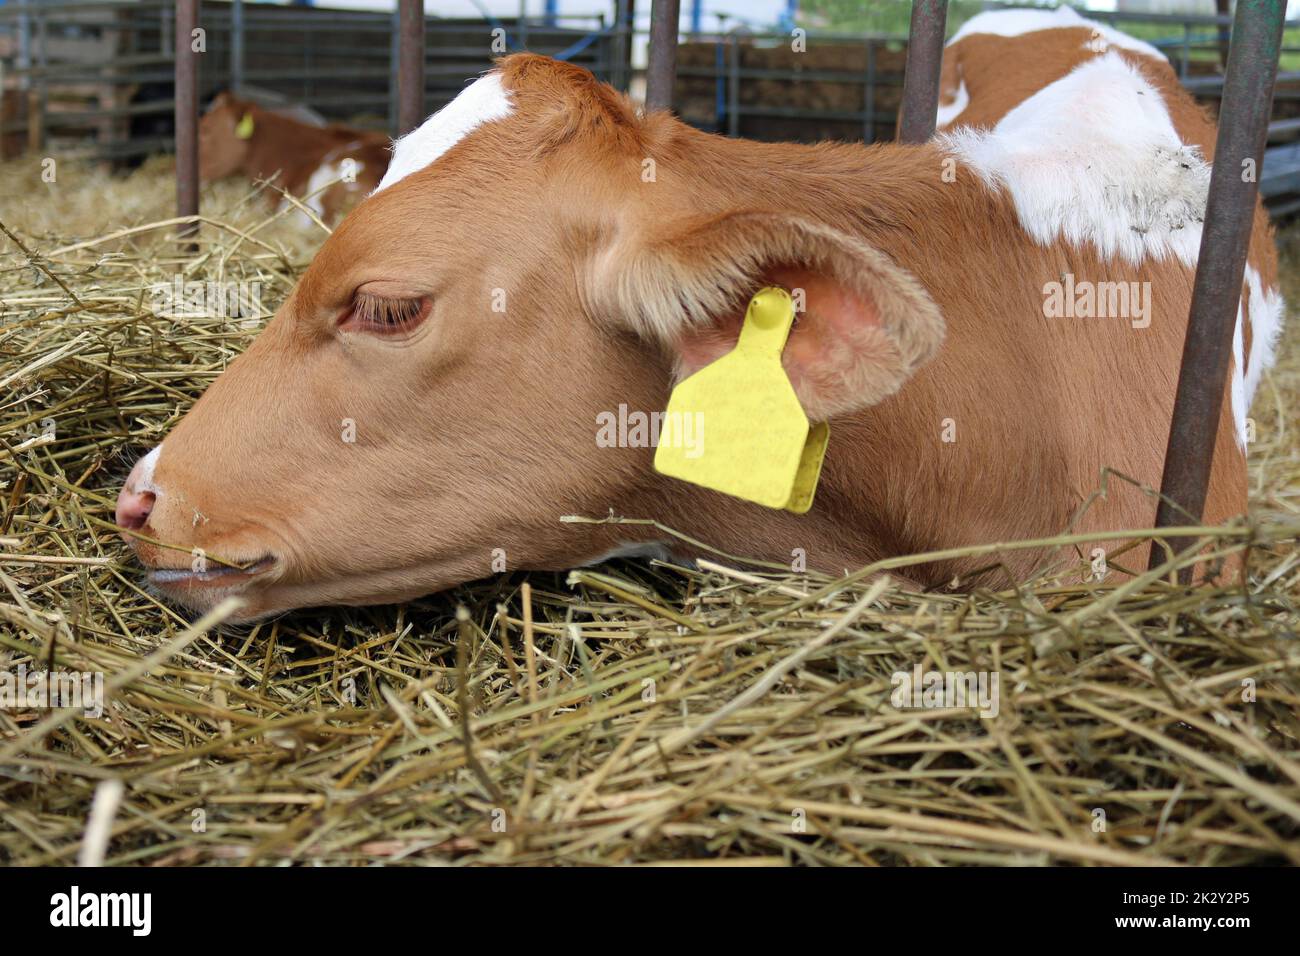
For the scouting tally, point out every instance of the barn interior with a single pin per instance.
(633, 712)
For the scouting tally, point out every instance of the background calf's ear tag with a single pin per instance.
(752, 438)
(245, 128)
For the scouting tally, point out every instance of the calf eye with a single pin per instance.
(383, 315)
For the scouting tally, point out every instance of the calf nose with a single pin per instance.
(133, 508)
(136, 499)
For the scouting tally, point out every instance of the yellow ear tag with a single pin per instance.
(752, 438)
(245, 128)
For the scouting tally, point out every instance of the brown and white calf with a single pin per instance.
(997, 61)
(540, 257)
(331, 168)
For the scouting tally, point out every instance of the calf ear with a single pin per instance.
(865, 327)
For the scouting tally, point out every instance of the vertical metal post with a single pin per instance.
(719, 86)
(733, 87)
(187, 114)
(1222, 9)
(41, 104)
(307, 41)
(616, 48)
(394, 52)
(788, 17)
(1225, 240)
(921, 73)
(625, 33)
(602, 67)
(661, 73)
(111, 128)
(410, 65)
(869, 94)
(25, 49)
(236, 44)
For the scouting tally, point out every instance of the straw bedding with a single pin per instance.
(631, 713)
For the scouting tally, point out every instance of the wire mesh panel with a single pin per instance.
(96, 79)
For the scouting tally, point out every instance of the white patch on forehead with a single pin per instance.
(484, 100)
(1094, 159)
(1014, 23)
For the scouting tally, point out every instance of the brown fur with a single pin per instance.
(477, 433)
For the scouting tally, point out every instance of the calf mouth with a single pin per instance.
(214, 576)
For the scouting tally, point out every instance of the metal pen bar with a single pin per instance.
(394, 54)
(1225, 240)
(187, 114)
(236, 44)
(39, 104)
(869, 95)
(921, 72)
(661, 72)
(733, 88)
(410, 65)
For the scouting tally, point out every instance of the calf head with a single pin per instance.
(425, 405)
(225, 135)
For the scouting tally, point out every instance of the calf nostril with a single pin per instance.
(133, 509)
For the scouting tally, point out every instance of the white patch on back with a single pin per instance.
(321, 176)
(1266, 310)
(1014, 23)
(1094, 159)
(1237, 387)
(484, 100)
(949, 113)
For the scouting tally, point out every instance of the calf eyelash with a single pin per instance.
(384, 315)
